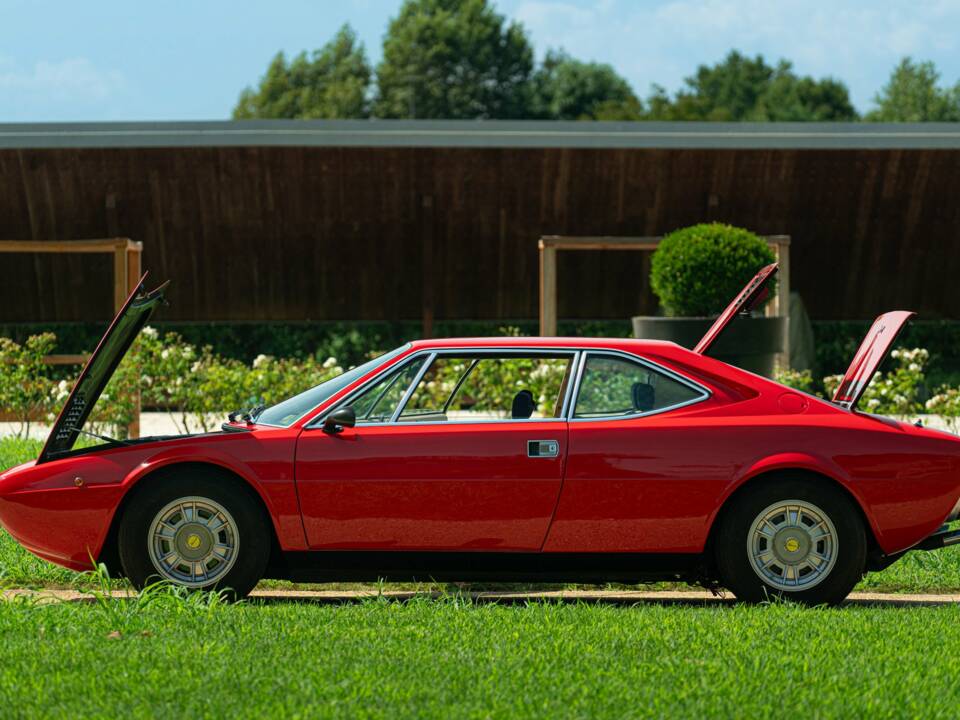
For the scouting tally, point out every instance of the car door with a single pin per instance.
(640, 467)
(444, 456)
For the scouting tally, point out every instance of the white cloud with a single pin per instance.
(663, 41)
(70, 79)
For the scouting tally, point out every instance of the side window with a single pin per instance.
(378, 403)
(613, 386)
(490, 387)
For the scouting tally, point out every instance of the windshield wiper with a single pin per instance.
(249, 416)
(105, 438)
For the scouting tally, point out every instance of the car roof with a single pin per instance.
(546, 342)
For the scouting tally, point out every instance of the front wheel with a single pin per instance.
(791, 538)
(196, 529)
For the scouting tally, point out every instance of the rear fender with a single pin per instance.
(808, 462)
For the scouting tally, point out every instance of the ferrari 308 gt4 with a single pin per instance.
(504, 459)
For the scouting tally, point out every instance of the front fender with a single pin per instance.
(271, 479)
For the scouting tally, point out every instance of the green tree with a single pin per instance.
(332, 83)
(743, 88)
(912, 95)
(453, 59)
(568, 89)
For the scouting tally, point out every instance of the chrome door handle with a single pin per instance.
(543, 448)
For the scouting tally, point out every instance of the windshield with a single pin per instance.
(286, 413)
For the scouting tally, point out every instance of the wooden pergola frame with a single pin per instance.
(551, 244)
(127, 265)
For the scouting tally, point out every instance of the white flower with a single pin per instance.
(914, 367)
(164, 354)
(261, 360)
(62, 391)
(329, 363)
(541, 371)
(150, 332)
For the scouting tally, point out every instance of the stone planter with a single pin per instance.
(750, 343)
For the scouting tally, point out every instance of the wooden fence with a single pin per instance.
(292, 233)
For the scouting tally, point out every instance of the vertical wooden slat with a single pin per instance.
(428, 268)
(121, 281)
(133, 277)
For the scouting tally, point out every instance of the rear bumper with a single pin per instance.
(940, 539)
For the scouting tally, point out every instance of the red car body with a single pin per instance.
(624, 498)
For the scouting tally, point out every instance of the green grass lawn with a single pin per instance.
(917, 572)
(450, 658)
(168, 654)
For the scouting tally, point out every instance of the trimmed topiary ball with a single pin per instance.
(696, 271)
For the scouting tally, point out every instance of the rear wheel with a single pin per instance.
(791, 538)
(197, 529)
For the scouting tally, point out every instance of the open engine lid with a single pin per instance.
(872, 351)
(101, 365)
(754, 293)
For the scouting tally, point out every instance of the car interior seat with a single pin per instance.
(644, 396)
(523, 405)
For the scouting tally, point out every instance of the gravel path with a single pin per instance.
(612, 597)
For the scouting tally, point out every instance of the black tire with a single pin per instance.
(253, 538)
(733, 556)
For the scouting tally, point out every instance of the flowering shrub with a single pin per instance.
(196, 386)
(897, 392)
(26, 390)
(946, 403)
(797, 379)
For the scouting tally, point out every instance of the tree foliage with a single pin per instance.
(568, 89)
(743, 88)
(460, 59)
(453, 59)
(912, 95)
(332, 83)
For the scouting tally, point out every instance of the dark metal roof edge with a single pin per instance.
(481, 133)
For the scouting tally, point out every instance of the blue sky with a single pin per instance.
(176, 60)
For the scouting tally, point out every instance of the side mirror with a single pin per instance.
(339, 419)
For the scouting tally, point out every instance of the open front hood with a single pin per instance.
(754, 293)
(134, 314)
(872, 351)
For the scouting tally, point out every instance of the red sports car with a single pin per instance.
(504, 459)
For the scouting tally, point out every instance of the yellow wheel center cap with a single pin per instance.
(792, 544)
(193, 541)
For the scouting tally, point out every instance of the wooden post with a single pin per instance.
(548, 290)
(133, 261)
(548, 246)
(121, 277)
(781, 246)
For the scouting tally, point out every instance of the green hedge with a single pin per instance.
(836, 341)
